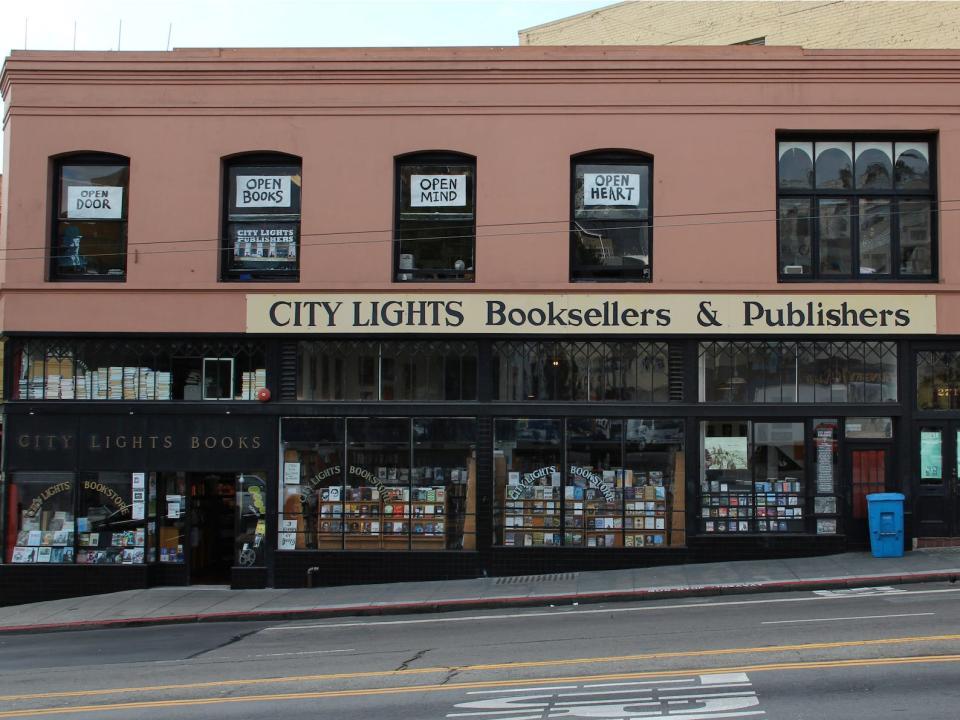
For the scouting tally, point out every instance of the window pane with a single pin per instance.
(108, 532)
(795, 169)
(611, 191)
(916, 239)
(376, 509)
(435, 250)
(436, 191)
(874, 165)
(96, 192)
(42, 505)
(834, 165)
(594, 485)
(869, 428)
(726, 487)
(796, 219)
(778, 470)
(262, 190)
(913, 166)
(654, 491)
(444, 483)
(257, 246)
(311, 515)
(89, 249)
(835, 242)
(527, 462)
(874, 237)
(607, 249)
(938, 380)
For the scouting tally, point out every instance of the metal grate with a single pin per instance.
(527, 579)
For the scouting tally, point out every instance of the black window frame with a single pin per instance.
(611, 157)
(227, 218)
(459, 226)
(89, 159)
(854, 195)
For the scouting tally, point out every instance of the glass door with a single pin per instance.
(936, 463)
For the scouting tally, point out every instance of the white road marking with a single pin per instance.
(860, 592)
(856, 617)
(526, 690)
(695, 700)
(578, 611)
(638, 682)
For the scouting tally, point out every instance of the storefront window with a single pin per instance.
(173, 515)
(358, 483)
(938, 380)
(43, 505)
(110, 530)
(251, 520)
(622, 482)
(394, 370)
(90, 232)
(585, 371)
(527, 458)
(67, 369)
(752, 477)
(262, 218)
(805, 372)
(869, 428)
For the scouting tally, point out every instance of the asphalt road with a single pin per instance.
(874, 654)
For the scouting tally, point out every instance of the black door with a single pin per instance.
(935, 455)
(211, 531)
(868, 466)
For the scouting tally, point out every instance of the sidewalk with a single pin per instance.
(168, 605)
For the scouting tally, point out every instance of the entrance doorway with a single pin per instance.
(936, 456)
(868, 467)
(211, 520)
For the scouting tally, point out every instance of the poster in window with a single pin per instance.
(263, 191)
(611, 189)
(931, 457)
(94, 202)
(725, 453)
(438, 190)
(256, 245)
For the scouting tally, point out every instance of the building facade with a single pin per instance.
(874, 24)
(285, 317)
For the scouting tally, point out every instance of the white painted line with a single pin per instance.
(638, 682)
(856, 617)
(524, 690)
(696, 688)
(563, 611)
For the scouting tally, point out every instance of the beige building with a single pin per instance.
(805, 23)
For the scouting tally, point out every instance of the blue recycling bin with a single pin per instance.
(885, 511)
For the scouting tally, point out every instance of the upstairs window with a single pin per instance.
(856, 208)
(90, 227)
(436, 217)
(262, 218)
(610, 226)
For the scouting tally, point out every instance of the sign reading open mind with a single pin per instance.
(575, 314)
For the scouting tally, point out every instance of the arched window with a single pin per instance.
(261, 208)
(856, 208)
(90, 228)
(611, 219)
(436, 217)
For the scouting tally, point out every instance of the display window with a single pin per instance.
(612, 223)
(90, 229)
(378, 483)
(752, 477)
(44, 530)
(111, 518)
(141, 370)
(856, 208)
(622, 482)
(436, 217)
(262, 218)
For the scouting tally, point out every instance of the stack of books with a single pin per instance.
(114, 383)
(163, 386)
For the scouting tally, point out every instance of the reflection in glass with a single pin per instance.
(916, 239)
(874, 237)
(40, 507)
(835, 242)
(795, 219)
(444, 484)
(377, 485)
(795, 169)
(834, 167)
(938, 380)
(874, 166)
(912, 170)
(594, 486)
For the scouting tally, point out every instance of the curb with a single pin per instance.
(515, 601)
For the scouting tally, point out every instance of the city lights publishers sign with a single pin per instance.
(587, 314)
(94, 202)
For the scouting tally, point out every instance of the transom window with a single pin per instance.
(436, 217)
(610, 224)
(856, 208)
(262, 218)
(90, 229)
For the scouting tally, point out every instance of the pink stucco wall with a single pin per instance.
(707, 115)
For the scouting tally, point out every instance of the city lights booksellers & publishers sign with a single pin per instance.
(570, 314)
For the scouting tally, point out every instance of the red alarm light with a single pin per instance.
(263, 395)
